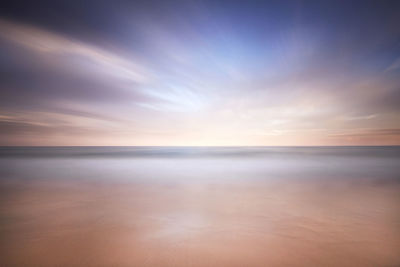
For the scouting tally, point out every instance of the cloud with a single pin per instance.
(394, 66)
(199, 75)
(48, 43)
(377, 133)
(42, 68)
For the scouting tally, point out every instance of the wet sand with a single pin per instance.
(199, 212)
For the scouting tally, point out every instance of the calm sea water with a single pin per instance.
(200, 206)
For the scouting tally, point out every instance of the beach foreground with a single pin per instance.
(200, 207)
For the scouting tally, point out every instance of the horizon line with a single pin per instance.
(199, 146)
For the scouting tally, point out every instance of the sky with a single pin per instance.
(200, 73)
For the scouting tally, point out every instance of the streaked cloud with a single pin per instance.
(199, 74)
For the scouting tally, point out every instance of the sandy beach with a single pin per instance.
(197, 212)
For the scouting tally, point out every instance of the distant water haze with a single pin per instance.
(199, 206)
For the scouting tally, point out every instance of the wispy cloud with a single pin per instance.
(195, 74)
(54, 44)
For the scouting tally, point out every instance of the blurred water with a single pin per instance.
(200, 206)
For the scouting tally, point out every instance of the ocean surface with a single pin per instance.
(199, 206)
